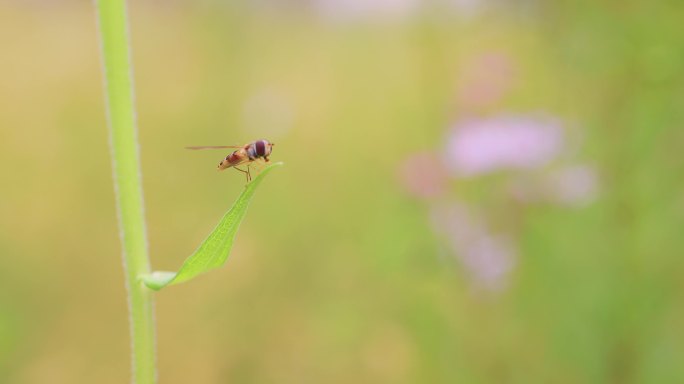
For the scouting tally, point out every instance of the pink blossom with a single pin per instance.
(485, 79)
(423, 175)
(487, 258)
(480, 146)
(574, 185)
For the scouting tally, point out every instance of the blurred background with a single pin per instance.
(475, 191)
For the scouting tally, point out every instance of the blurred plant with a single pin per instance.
(423, 174)
(487, 258)
(573, 185)
(525, 149)
(124, 149)
(484, 80)
(479, 146)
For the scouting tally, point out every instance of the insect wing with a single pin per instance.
(215, 147)
(225, 164)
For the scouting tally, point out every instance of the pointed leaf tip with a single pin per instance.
(214, 250)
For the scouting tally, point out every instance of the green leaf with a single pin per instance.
(214, 250)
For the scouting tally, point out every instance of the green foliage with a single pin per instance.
(351, 283)
(123, 137)
(214, 250)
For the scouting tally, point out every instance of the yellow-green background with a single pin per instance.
(336, 275)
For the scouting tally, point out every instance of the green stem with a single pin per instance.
(126, 168)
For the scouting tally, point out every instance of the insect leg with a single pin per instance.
(249, 177)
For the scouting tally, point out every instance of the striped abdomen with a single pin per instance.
(234, 158)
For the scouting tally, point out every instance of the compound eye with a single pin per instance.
(260, 147)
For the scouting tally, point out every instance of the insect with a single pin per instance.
(245, 154)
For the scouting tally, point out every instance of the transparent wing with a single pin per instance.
(240, 162)
(215, 146)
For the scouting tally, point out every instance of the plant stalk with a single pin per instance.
(124, 151)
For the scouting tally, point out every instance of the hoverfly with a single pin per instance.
(246, 154)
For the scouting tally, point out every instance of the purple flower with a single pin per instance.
(423, 175)
(488, 259)
(480, 146)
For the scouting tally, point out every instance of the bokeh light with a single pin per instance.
(474, 191)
